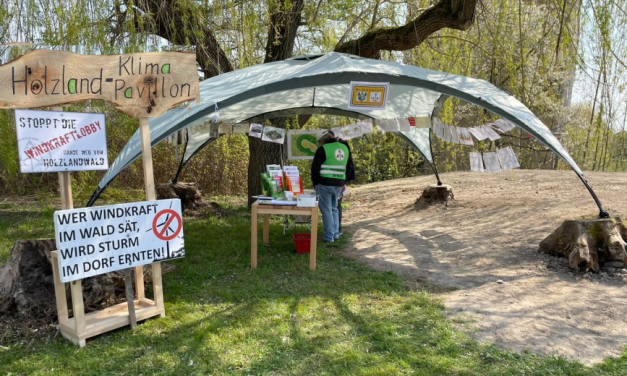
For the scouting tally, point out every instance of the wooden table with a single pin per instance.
(266, 210)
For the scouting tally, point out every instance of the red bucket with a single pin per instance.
(302, 243)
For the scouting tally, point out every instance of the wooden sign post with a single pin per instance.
(141, 85)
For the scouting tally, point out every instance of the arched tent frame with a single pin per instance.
(321, 83)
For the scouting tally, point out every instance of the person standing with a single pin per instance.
(350, 175)
(328, 175)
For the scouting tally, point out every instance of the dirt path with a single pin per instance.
(484, 244)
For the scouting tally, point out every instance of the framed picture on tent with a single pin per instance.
(368, 95)
(302, 144)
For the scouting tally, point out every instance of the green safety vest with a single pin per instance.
(334, 166)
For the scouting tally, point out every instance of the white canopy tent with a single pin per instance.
(319, 84)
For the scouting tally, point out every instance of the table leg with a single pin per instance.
(253, 237)
(314, 238)
(266, 229)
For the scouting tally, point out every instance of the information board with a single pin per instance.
(104, 239)
(302, 144)
(52, 141)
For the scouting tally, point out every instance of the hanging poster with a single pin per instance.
(273, 134)
(368, 95)
(507, 158)
(476, 162)
(348, 132)
(492, 135)
(438, 128)
(491, 161)
(53, 141)
(464, 136)
(454, 135)
(503, 125)
(104, 239)
(366, 127)
(387, 125)
(302, 144)
(478, 133)
(255, 130)
(404, 124)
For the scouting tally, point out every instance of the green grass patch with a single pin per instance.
(281, 319)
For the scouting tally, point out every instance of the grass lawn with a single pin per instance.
(281, 319)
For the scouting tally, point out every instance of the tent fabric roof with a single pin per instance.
(322, 81)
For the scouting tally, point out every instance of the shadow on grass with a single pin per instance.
(282, 318)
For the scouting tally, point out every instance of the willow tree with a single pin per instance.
(232, 34)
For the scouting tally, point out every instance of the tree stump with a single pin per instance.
(435, 194)
(189, 194)
(27, 286)
(588, 243)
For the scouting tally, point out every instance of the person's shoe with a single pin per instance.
(328, 241)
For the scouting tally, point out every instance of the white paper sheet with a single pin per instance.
(503, 125)
(492, 135)
(366, 127)
(388, 125)
(491, 161)
(273, 134)
(403, 125)
(438, 128)
(476, 162)
(255, 130)
(507, 158)
(446, 135)
(454, 135)
(478, 133)
(464, 137)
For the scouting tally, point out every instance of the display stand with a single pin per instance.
(82, 326)
(266, 210)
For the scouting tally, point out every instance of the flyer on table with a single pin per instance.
(54, 141)
(104, 239)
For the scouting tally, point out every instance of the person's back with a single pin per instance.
(328, 175)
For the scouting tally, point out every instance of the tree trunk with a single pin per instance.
(589, 243)
(27, 285)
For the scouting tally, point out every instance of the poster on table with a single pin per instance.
(273, 134)
(368, 95)
(104, 239)
(302, 144)
(54, 141)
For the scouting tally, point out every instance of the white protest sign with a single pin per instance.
(104, 239)
(53, 141)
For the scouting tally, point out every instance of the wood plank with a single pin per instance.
(130, 297)
(59, 289)
(253, 236)
(301, 211)
(78, 308)
(157, 287)
(149, 179)
(139, 281)
(42, 78)
(96, 324)
(266, 229)
(314, 238)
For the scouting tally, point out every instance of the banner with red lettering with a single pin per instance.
(53, 141)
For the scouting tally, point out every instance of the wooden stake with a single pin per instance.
(130, 297)
(149, 184)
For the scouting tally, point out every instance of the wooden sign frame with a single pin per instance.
(143, 99)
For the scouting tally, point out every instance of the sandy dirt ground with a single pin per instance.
(480, 250)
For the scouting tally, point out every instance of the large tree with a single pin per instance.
(171, 19)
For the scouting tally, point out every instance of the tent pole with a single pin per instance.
(182, 164)
(433, 167)
(602, 212)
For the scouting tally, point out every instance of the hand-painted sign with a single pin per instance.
(51, 141)
(139, 84)
(368, 95)
(104, 239)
